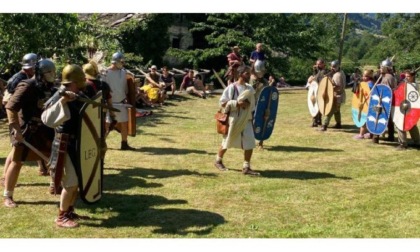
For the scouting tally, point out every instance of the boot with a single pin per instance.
(63, 220)
(125, 146)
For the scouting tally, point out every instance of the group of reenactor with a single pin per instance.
(385, 75)
(44, 120)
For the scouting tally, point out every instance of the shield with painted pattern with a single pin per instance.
(89, 166)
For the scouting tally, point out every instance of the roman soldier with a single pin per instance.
(24, 110)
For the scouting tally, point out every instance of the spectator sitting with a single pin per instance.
(152, 87)
(167, 81)
(282, 83)
(190, 84)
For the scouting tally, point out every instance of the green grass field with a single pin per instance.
(312, 184)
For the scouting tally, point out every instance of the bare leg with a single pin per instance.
(6, 164)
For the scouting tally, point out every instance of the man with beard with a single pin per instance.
(238, 100)
(24, 110)
(318, 74)
(339, 96)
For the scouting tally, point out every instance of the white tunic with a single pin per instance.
(246, 139)
(117, 80)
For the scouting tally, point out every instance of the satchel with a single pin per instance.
(222, 122)
(222, 119)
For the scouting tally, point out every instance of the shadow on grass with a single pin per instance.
(348, 129)
(138, 211)
(169, 151)
(299, 148)
(164, 151)
(135, 177)
(301, 175)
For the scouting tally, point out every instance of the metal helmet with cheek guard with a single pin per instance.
(45, 68)
(73, 73)
(29, 60)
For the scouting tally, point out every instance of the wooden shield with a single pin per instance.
(405, 106)
(379, 109)
(360, 104)
(131, 97)
(312, 98)
(325, 96)
(265, 113)
(89, 164)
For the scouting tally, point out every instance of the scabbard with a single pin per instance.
(58, 158)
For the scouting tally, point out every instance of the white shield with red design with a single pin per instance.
(405, 106)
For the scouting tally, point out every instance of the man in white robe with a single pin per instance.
(238, 99)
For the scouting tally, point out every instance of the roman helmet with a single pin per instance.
(118, 60)
(335, 64)
(117, 57)
(386, 66)
(91, 70)
(386, 63)
(45, 68)
(73, 73)
(29, 60)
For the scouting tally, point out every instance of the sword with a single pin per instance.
(30, 146)
(89, 101)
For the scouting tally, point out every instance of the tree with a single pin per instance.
(303, 36)
(44, 34)
(147, 37)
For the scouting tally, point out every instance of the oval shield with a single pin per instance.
(325, 96)
(405, 106)
(360, 104)
(379, 109)
(312, 98)
(265, 113)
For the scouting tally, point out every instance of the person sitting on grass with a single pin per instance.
(192, 86)
(152, 87)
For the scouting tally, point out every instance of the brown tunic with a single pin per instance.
(27, 101)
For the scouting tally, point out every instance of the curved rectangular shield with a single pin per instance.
(89, 166)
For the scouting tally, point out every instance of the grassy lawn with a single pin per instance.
(312, 184)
